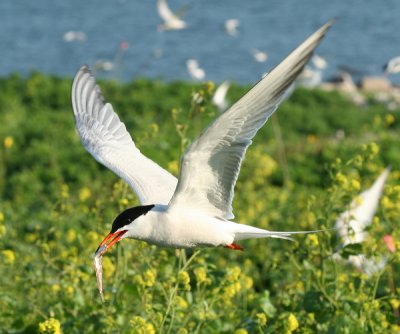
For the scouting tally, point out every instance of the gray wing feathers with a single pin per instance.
(107, 140)
(210, 166)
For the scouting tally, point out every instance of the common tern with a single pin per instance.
(194, 70)
(392, 66)
(231, 27)
(194, 210)
(219, 97)
(171, 20)
(352, 224)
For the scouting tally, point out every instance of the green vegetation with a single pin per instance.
(57, 203)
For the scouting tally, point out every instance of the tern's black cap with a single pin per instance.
(129, 215)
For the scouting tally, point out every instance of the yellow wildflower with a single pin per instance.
(355, 184)
(311, 138)
(141, 326)
(184, 278)
(84, 194)
(1, 217)
(180, 302)
(233, 273)
(262, 318)
(56, 288)
(50, 326)
(201, 276)
(313, 240)
(8, 142)
(389, 119)
(173, 167)
(9, 256)
(241, 331)
(292, 322)
(71, 235)
(395, 303)
(149, 277)
(108, 267)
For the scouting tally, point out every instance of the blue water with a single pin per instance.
(31, 36)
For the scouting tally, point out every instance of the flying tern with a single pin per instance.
(231, 27)
(219, 97)
(171, 20)
(194, 210)
(194, 70)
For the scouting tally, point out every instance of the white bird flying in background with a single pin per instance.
(259, 56)
(194, 210)
(171, 20)
(231, 27)
(319, 62)
(72, 36)
(352, 224)
(219, 97)
(194, 69)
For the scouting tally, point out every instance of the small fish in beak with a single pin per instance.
(98, 257)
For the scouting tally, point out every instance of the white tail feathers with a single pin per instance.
(249, 232)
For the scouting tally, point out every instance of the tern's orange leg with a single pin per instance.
(234, 247)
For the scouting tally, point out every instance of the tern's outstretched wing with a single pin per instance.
(165, 13)
(360, 215)
(210, 166)
(108, 141)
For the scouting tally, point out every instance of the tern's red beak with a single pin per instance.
(109, 241)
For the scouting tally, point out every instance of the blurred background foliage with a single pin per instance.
(57, 203)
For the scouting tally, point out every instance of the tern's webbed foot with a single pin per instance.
(234, 247)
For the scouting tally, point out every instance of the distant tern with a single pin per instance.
(171, 20)
(194, 210)
(392, 66)
(259, 56)
(219, 97)
(231, 27)
(352, 224)
(194, 69)
(71, 36)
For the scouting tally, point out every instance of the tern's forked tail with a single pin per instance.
(249, 232)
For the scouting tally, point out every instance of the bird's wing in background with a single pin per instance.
(210, 166)
(105, 137)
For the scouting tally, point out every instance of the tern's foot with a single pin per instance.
(234, 247)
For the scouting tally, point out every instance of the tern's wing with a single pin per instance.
(360, 215)
(164, 11)
(210, 166)
(108, 141)
(219, 98)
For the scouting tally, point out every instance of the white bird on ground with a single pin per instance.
(392, 66)
(171, 20)
(231, 27)
(71, 36)
(194, 210)
(219, 97)
(351, 224)
(259, 56)
(194, 70)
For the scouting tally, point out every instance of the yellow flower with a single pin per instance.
(56, 288)
(184, 278)
(8, 142)
(311, 138)
(395, 303)
(141, 326)
(173, 167)
(313, 240)
(1, 217)
(201, 276)
(292, 322)
(180, 302)
(71, 235)
(241, 331)
(262, 319)
(149, 277)
(233, 273)
(389, 119)
(84, 194)
(9, 256)
(355, 184)
(108, 267)
(50, 326)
